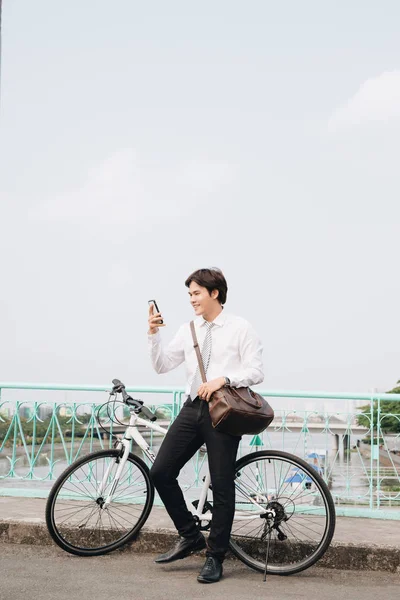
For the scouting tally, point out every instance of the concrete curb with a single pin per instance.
(343, 556)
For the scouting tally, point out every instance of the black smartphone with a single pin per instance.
(157, 310)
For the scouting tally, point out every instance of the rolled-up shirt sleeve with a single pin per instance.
(251, 370)
(168, 358)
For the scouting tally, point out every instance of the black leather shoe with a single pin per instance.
(211, 572)
(183, 548)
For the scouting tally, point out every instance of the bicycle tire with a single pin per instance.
(248, 537)
(77, 532)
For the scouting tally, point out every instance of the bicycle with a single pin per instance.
(284, 513)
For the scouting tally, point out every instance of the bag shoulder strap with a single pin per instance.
(197, 350)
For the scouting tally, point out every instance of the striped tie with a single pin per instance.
(205, 355)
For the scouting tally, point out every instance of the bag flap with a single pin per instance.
(247, 396)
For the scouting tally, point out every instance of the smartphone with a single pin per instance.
(157, 310)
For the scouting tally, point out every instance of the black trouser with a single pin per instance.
(188, 432)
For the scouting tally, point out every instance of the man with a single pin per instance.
(232, 355)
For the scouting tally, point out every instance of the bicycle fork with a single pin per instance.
(121, 463)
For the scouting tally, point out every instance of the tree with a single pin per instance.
(390, 424)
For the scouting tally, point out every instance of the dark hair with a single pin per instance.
(212, 279)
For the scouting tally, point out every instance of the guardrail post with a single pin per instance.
(378, 455)
(33, 441)
(371, 481)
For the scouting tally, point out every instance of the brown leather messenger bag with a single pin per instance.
(237, 411)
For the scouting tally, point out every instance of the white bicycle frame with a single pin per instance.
(132, 433)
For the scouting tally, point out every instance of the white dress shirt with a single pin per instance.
(236, 351)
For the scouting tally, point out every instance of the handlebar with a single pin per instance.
(119, 388)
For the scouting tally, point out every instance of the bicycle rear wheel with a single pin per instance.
(77, 515)
(297, 520)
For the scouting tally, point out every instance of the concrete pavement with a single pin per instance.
(361, 544)
(48, 573)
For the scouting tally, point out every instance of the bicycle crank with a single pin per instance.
(206, 508)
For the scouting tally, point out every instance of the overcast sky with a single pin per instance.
(143, 140)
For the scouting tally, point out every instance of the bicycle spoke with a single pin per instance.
(81, 518)
(296, 521)
(74, 512)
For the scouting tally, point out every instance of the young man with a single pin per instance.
(232, 355)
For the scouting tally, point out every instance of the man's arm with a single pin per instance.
(164, 360)
(252, 368)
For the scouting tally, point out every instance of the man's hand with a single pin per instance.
(154, 320)
(209, 387)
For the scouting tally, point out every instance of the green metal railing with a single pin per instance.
(43, 428)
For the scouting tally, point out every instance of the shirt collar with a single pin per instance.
(219, 321)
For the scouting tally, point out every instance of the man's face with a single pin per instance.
(200, 298)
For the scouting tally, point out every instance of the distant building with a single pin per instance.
(25, 412)
(64, 411)
(45, 412)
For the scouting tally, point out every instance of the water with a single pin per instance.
(345, 470)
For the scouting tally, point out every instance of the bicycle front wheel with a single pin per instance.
(284, 513)
(79, 517)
